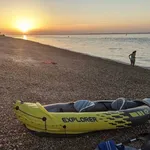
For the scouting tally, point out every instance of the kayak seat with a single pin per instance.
(118, 104)
(122, 103)
(83, 105)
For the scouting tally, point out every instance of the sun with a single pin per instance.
(24, 25)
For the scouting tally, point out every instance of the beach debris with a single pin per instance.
(110, 144)
(49, 62)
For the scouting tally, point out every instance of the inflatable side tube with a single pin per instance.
(138, 115)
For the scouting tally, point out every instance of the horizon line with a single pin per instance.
(91, 33)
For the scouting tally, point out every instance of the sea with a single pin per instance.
(116, 47)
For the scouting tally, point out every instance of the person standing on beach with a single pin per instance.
(132, 58)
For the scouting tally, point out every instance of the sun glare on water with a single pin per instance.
(24, 25)
(24, 37)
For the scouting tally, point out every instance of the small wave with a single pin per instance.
(115, 48)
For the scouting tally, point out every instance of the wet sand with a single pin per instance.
(26, 74)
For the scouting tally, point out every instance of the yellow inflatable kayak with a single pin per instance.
(82, 116)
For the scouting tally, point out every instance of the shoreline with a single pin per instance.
(107, 59)
(27, 74)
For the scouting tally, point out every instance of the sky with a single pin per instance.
(74, 16)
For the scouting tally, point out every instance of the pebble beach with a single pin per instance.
(33, 72)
